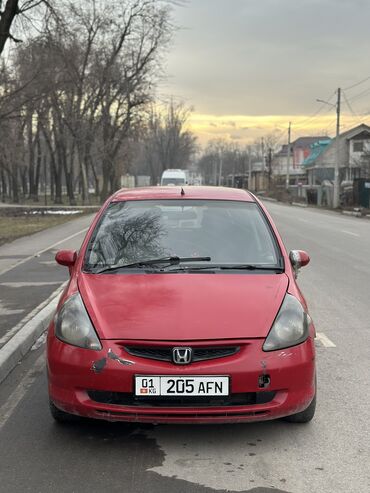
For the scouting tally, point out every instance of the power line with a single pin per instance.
(351, 109)
(360, 95)
(307, 121)
(311, 118)
(329, 127)
(357, 84)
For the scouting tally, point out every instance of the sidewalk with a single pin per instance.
(13, 253)
(338, 212)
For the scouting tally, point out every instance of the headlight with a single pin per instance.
(290, 327)
(73, 325)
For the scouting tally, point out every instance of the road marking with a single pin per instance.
(19, 392)
(325, 341)
(37, 254)
(61, 241)
(350, 233)
(4, 311)
(28, 284)
(6, 337)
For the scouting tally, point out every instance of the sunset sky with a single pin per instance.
(248, 67)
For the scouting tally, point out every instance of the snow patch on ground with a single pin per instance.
(40, 342)
(53, 212)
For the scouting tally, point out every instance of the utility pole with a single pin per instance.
(249, 169)
(215, 171)
(220, 175)
(336, 191)
(288, 157)
(269, 167)
(336, 194)
(235, 158)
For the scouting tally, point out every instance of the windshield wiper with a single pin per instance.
(174, 260)
(231, 267)
(227, 267)
(251, 267)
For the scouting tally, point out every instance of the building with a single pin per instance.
(300, 149)
(353, 146)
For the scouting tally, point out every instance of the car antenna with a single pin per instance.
(182, 191)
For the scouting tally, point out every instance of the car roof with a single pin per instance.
(189, 192)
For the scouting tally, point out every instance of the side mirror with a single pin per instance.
(298, 259)
(66, 258)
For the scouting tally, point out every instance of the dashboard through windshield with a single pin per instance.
(229, 232)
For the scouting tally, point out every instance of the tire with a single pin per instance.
(61, 416)
(304, 416)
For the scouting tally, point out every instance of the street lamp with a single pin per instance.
(333, 105)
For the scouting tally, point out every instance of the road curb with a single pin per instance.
(352, 213)
(18, 346)
(267, 199)
(313, 208)
(299, 204)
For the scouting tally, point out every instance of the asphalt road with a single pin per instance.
(330, 455)
(29, 273)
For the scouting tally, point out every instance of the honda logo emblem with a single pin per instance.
(182, 355)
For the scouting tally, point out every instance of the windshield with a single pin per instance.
(173, 181)
(228, 232)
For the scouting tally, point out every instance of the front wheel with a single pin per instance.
(304, 416)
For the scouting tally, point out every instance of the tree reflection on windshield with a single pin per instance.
(136, 235)
(229, 232)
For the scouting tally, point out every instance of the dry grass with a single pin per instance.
(93, 200)
(13, 227)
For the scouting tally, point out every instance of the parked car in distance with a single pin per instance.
(174, 177)
(182, 307)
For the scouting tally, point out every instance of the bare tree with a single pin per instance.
(221, 161)
(17, 9)
(271, 144)
(115, 50)
(167, 141)
(80, 90)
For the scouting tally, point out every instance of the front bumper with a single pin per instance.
(76, 375)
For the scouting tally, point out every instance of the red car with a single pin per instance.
(182, 307)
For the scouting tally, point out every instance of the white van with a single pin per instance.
(174, 177)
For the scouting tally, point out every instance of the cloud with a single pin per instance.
(247, 128)
(267, 57)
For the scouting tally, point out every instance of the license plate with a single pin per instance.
(151, 386)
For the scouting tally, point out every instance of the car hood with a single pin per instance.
(179, 307)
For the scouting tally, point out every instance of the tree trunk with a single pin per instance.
(14, 180)
(38, 167)
(59, 165)
(58, 189)
(69, 175)
(96, 179)
(4, 186)
(106, 178)
(52, 180)
(68, 172)
(24, 181)
(7, 17)
(84, 183)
